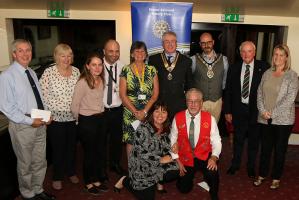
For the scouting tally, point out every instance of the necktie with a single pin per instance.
(191, 132)
(245, 87)
(35, 91)
(169, 59)
(109, 92)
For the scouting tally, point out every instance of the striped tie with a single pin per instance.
(191, 132)
(245, 87)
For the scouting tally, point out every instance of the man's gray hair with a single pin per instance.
(16, 42)
(194, 90)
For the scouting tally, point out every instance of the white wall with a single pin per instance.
(123, 28)
(122, 21)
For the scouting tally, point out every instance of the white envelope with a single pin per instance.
(44, 114)
(135, 124)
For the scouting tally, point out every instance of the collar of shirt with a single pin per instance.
(170, 54)
(209, 59)
(108, 65)
(188, 115)
(20, 68)
(251, 65)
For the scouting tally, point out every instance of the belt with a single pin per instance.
(113, 109)
(98, 114)
(28, 115)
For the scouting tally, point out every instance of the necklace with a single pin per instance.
(140, 77)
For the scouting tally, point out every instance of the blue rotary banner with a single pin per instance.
(151, 19)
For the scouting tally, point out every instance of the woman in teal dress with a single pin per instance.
(138, 89)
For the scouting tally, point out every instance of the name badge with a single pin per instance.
(141, 97)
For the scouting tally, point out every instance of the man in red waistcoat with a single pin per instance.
(198, 142)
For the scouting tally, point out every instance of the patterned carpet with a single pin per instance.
(235, 187)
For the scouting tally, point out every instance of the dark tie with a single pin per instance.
(109, 93)
(35, 91)
(169, 59)
(245, 87)
(191, 132)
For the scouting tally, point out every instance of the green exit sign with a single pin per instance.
(57, 9)
(232, 18)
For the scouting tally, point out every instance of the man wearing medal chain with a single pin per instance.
(209, 75)
(113, 106)
(174, 73)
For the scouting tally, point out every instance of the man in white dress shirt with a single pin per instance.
(113, 105)
(198, 142)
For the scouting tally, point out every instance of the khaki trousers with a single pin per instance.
(29, 145)
(213, 107)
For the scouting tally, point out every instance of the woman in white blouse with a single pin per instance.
(57, 84)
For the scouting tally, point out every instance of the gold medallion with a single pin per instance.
(170, 67)
(210, 73)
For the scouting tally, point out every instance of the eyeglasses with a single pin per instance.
(206, 43)
(167, 42)
(195, 102)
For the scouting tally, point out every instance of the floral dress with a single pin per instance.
(145, 169)
(133, 92)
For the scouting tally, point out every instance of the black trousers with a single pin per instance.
(91, 135)
(113, 134)
(149, 193)
(63, 143)
(274, 137)
(244, 128)
(185, 183)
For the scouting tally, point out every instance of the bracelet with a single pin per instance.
(145, 113)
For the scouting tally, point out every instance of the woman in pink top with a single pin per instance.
(87, 107)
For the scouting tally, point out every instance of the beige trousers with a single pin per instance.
(213, 107)
(29, 145)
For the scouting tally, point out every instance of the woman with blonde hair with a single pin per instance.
(275, 100)
(57, 85)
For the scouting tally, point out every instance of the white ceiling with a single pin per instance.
(248, 7)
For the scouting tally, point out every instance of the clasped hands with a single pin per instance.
(140, 114)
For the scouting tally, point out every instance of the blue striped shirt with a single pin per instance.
(17, 97)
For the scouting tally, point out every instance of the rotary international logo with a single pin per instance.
(206, 125)
(160, 27)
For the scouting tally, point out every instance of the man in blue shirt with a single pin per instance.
(20, 92)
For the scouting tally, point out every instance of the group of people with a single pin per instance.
(165, 107)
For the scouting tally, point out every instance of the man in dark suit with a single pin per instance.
(241, 108)
(174, 72)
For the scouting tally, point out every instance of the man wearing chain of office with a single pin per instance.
(209, 75)
(174, 73)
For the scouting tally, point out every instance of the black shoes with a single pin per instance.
(232, 170)
(92, 190)
(163, 191)
(32, 198)
(102, 187)
(44, 196)
(117, 169)
(116, 189)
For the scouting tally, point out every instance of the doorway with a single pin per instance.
(82, 36)
(228, 38)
